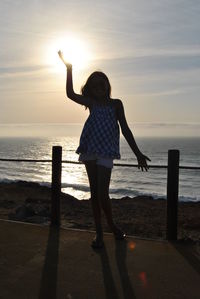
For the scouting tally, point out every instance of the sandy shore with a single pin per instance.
(140, 216)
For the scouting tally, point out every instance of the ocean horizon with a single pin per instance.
(139, 129)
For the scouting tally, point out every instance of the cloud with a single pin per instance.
(23, 69)
(153, 63)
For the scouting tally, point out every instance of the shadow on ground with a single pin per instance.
(48, 286)
(120, 256)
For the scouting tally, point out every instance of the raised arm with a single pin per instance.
(142, 163)
(80, 99)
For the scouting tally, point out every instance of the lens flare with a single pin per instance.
(143, 278)
(131, 245)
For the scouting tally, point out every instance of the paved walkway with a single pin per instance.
(43, 262)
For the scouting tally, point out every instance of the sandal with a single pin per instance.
(119, 234)
(97, 243)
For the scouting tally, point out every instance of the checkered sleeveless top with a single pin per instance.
(100, 134)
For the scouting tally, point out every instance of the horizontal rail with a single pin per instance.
(115, 164)
(25, 160)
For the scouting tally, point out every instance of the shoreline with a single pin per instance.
(182, 198)
(141, 216)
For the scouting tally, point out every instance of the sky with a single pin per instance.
(149, 49)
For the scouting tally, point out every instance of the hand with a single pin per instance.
(142, 163)
(63, 60)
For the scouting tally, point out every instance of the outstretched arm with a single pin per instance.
(82, 100)
(142, 159)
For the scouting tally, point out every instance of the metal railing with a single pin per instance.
(115, 164)
(172, 185)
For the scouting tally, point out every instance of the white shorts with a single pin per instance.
(106, 162)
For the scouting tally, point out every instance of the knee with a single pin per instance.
(103, 199)
(94, 197)
(94, 193)
(102, 195)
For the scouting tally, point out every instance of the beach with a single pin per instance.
(140, 216)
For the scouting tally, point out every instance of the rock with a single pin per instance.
(28, 184)
(125, 198)
(43, 212)
(192, 224)
(186, 240)
(22, 212)
(27, 213)
(7, 203)
(32, 200)
(25, 210)
(37, 219)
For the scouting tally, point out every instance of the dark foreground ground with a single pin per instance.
(41, 261)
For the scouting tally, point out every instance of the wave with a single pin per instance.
(114, 192)
(9, 181)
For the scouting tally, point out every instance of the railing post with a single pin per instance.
(172, 194)
(56, 184)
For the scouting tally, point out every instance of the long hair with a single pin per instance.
(86, 89)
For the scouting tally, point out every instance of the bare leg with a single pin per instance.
(91, 169)
(103, 179)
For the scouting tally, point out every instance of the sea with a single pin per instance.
(125, 181)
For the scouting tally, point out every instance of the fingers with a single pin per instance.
(147, 158)
(60, 53)
(61, 56)
(142, 163)
(146, 167)
(143, 167)
(140, 167)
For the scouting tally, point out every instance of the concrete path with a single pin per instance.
(43, 262)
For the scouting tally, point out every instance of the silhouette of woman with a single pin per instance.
(99, 144)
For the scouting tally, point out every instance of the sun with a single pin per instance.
(75, 51)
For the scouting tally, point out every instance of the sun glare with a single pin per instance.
(74, 50)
